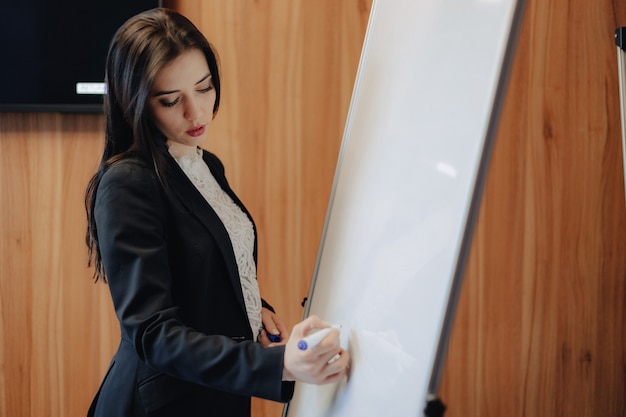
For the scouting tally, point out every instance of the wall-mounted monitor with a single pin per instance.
(53, 52)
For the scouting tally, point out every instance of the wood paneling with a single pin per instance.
(57, 328)
(539, 329)
(540, 326)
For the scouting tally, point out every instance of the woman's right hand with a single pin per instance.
(316, 365)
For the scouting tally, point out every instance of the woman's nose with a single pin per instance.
(193, 110)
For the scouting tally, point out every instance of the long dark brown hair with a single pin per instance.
(140, 48)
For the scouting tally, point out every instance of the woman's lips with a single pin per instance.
(196, 131)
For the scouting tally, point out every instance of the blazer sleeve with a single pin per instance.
(130, 222)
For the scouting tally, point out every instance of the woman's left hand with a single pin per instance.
(273, 325)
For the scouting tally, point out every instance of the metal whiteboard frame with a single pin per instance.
(620, 41)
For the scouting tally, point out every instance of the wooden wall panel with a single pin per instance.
(57, 328)
(540, 327)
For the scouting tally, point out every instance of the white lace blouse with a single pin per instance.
(236, 222)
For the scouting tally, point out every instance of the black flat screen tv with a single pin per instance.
(52, 53)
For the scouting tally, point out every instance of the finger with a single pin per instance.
(280, 325)
(331, 376)
(283, 330)
(337, 366)
(263, 339)
(277, 332)
(334, 378)
(329, 346)
(334, 356)
(282, 336)
(310, 324)
(269, 321)
(271, 327)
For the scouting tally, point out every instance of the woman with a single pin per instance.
(178, 248)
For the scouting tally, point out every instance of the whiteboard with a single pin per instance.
(407, 187)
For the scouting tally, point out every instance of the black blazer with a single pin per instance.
(187, 348)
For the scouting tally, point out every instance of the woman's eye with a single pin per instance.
(206, 90)
(169, 103)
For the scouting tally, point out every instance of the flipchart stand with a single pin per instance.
(620, 41)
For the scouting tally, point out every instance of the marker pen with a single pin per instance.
(274, 338)
(315, 338)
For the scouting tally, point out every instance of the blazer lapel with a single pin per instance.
(192, 199)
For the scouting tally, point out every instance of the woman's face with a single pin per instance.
(182, 98)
